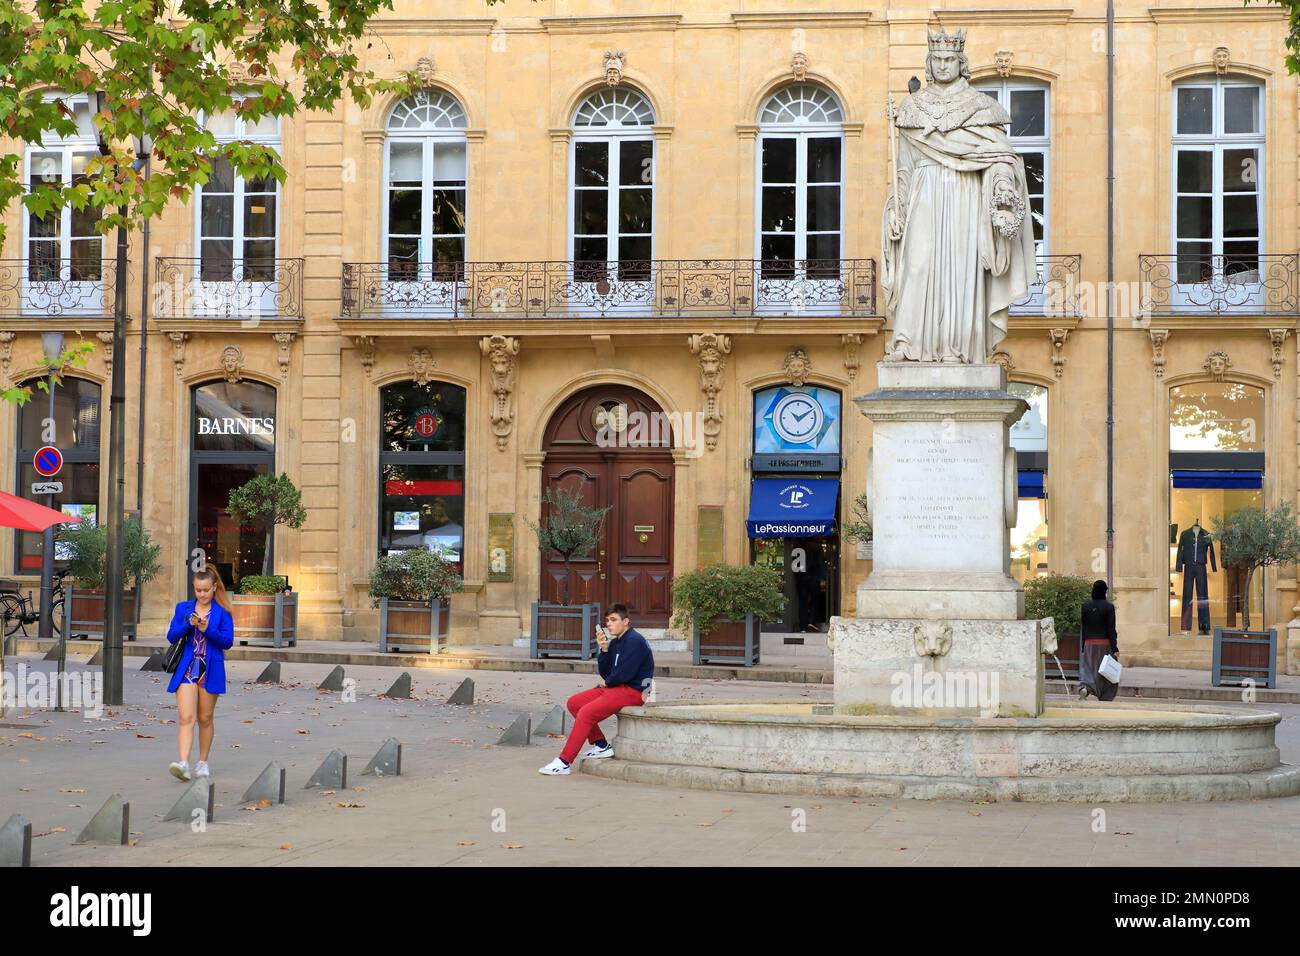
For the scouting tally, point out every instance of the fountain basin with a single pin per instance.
(1088, 752)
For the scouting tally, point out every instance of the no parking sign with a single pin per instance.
(47, 461)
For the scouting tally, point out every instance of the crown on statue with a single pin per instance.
(944, 42)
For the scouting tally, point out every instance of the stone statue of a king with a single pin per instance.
(957, 246)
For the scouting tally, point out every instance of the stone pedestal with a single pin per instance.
(939, 627)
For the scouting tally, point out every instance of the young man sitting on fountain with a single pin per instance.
(626, 668)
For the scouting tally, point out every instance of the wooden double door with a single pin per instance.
(600, 443)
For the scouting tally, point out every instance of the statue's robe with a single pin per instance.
(950, 278)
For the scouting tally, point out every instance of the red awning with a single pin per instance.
(27, 515)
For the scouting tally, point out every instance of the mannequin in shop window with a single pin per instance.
(1195, 551)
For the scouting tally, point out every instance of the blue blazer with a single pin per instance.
(220, 634)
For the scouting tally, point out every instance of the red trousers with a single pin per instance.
(591, 707)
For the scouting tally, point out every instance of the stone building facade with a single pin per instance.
(591, 220)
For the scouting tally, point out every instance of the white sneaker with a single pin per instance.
(180, 769)
(201, 770)
(595, 751)
(556, 768)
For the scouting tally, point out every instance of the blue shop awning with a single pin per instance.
(792, 507)
(1218, 479)
(1030, 484)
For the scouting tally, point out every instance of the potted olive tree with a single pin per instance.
(265, 610)
(571, 529)
(1255, 539)
(1060, 597)
(86, 547)
(411, 589)
(724, 606)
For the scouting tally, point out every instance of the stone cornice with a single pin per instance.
(432, 26)
(563, 330)
(1031, 15)
(820, 18)
(1204, 14)
(628, 24)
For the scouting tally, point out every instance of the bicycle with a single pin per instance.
(17, 611)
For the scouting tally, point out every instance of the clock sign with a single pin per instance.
(797, 418)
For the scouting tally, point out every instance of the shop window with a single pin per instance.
(1030, 555)
(422, 468)
(1216, 467)
(75, 431)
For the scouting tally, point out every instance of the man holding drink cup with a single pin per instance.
(626, 667)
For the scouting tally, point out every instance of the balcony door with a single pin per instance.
(611, 238)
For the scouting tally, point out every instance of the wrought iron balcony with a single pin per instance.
(233, 289)
(1056, 293)
(1203, 284)
(80, 288)
(657, 288)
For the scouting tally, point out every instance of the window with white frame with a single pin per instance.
(64, 245)
(1030, 131)
(1218, 166)
(238, 217)
(612, 163)
(800, 183)
(425, 188)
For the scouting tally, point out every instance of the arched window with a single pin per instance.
(64, 246)
(422, 467)
(612, 163)
(1216, 467)
(1028, 102)
(800, 184)
(237, 218)
(1030, 556)
(75, 430)
(425, 188)
(1218, 180)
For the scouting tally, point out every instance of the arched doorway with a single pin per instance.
(614, 442)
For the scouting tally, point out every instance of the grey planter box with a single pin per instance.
(1241, 655)
(730, 642)
(420, 626)
(265, 620)
(83, 614)
(564, 630)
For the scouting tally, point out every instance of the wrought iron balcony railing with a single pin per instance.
(243, 289)
(651, 288)
(1203, 284)
(1056, 293)
(81, 288)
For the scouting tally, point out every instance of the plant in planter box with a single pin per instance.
(411, 589)
(571, 529)
(264, 502)
(1257, 538)
(1060, 597)
(86, 546)
(724, 592)
(262, 583)
(858, 526)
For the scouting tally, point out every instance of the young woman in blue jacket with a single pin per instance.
(207, 628)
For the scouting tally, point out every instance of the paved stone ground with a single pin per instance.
(462, 800)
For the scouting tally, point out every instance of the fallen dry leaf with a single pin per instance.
(286, 846)
(146, 736)
(349, 806)
(466, 843)
(72, 790)
(512, 846)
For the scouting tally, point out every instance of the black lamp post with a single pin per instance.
(114, 579)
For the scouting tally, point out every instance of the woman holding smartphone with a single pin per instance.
(207, 628)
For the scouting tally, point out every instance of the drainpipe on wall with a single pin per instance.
(1110, 295)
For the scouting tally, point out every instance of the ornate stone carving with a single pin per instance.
(615, 63)
(798, 366)
(712, 350)
(1002, 62)
(237, 71)
(1058, 337)
(931, 638)
(1047, 638)
(1221, 60)
(366, 352)
(6, 355)
(1217, 363)
(421, 365)
(851, 341)
(178, 351)
(232, 363)
(424, 71)
(799, 66)
(1158, 339)
(501, 351)
(1275, 338)
(285, 341)
(1003, 357)
(106, 340)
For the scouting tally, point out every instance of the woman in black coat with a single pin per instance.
(1097, 637)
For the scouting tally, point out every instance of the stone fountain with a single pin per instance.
(939, 688)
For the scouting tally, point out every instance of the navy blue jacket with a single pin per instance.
(220, 635)
(628, 661)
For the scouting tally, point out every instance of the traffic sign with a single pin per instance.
(47, 487)
(47, 461)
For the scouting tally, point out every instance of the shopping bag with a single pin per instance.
(1110, 669)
